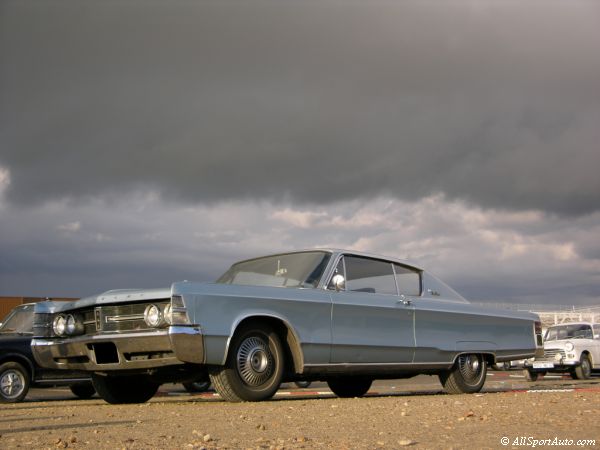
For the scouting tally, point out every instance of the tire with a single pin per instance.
(349, 387)
(302, 384)
(467, 376)
(254, 366)
(14, 382)
(584, 370)
(530, 376)
(118, 390)
(197, 386)
(83, 390)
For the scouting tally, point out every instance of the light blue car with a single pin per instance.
(343, 317)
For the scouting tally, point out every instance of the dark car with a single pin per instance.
(18, 369)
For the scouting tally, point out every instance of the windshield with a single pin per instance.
(289, 270)
(19, 320)
(569, 332)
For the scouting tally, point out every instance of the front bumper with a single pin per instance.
(104, 352)
(551, 366)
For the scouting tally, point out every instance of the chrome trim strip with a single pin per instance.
(123, 318)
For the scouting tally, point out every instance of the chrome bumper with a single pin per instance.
(171, 346)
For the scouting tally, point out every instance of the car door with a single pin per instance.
(596, 347)
(371, 323)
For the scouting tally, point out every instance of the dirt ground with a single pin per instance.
(391, 420)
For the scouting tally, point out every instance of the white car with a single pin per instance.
(569, 347)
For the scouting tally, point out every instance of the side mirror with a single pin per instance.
(339, 282)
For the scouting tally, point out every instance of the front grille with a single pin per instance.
(118, 318)
(550, 354)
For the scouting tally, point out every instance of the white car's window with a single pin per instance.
(597, 331)
(575, 331)
(408, 280)
(369, 275)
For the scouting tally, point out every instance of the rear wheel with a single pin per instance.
(348, 387)
(14, 382)
(83, 390)
(130, 389)
(254, 365)
(530, 376)
(467, 375)
(584, 370)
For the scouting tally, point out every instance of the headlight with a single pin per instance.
(152, 316)
(569, 346)
(59, 325)
(71, 326)
(168, 314)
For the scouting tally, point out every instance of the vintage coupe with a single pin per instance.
(18, 370)
(340, 316)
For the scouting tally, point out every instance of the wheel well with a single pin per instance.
(294, 359)
(15, 357)
(489, 358)
(588, 355)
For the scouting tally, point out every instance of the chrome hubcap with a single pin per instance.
(471, 368)
(12, 384)
(254, 361)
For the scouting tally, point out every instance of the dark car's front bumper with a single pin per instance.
(136, 350)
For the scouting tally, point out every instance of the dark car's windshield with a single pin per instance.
(19, 320)
(289, 270)
(580, 331)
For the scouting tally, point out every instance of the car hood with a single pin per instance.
(108, 297)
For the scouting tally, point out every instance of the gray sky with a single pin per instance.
(147, 142)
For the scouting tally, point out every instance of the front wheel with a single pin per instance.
(117, 390)
(530, 376)
(584, 370)
(254, 367)
(467, 376)
(14, 382)
(83, 390)
(349, 387)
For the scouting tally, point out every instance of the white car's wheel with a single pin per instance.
(584, 370)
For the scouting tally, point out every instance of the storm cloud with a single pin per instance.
(144, 142)
(496, 103)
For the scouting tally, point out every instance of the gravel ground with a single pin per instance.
(387, 421)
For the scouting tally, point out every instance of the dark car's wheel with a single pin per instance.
(14, 382)
(584, 370)
(467, 375)
(130, 389)
(302, 384)
(348, 387)
(530, 376)
(197, 386)
(83, 390)
(254, 365)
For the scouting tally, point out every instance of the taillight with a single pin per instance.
(538, 327)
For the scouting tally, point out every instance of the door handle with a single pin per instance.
(405, 301)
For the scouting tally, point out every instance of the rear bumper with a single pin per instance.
(104, 352)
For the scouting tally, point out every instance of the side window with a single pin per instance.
(409, 281)
(597, 331)
(369, 275)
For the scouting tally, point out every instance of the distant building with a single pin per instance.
(8, 303)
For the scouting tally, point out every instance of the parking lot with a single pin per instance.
(411, 413)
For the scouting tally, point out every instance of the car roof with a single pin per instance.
(337, 251)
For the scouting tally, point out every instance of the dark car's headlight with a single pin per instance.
(67, 325)
(59, 325)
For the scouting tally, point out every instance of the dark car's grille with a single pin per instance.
(550, 354)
